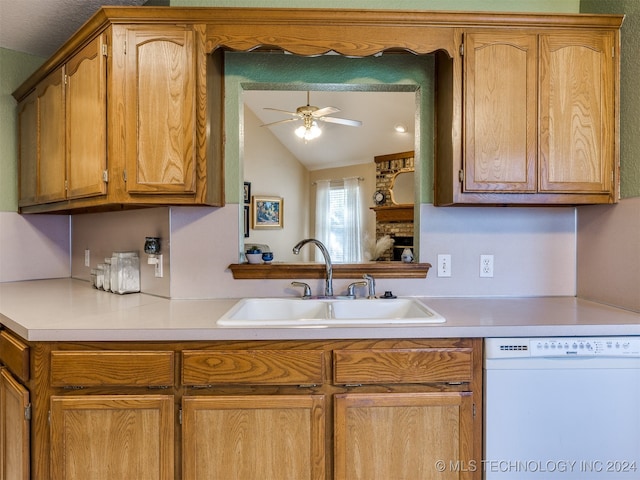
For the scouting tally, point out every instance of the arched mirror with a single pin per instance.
(402, 188)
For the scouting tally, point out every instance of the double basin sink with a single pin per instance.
(321, 312)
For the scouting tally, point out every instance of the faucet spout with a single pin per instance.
(328, 288)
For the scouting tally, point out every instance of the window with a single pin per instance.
(338, 219)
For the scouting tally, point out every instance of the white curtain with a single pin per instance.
(323, 212)
(338, 219)
(352, 241)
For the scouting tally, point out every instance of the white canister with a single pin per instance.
(125, 272)
(407, 255)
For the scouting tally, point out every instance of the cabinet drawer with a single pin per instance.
(15, 355)
(117, 368)
(422, 365)
(256, 367)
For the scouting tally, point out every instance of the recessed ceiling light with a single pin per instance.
(400, 128)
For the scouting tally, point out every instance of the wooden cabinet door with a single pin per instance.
(86, 121)
(160, 110)
(500, 112)
(51, 138)
(254, 437)
(28, 151)
(404, 435)
(14, 429)
(577, 119)
(104, 437)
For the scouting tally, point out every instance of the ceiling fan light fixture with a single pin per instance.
(308, 132)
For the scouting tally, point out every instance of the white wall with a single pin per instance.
(34, 246)
(534, 249)
(274, 171)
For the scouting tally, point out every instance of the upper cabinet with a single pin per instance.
(159, 100)
(539, 119)
(118, 124)
(130, 111)
(577, 149)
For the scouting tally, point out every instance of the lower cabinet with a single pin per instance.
(243, 437)
(403, 435)
(112, 436)
(14, 428)
(402, 409)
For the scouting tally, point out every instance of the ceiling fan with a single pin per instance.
(310, 114)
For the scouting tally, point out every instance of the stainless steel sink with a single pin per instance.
(290, 312)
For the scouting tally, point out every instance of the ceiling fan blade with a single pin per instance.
(282, 111)
(341, 121)
(280, 121)
(321, 112)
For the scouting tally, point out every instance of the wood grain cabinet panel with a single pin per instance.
(382, 366)
(500, 111)
(86, 120)
(257, 367)
(15, 355)
(403, 436)
(160, 110)
(104, 437)
(577, 111)
(254, 437)
(14, 429)
(51, 171)
(114, 368)
(28, 151)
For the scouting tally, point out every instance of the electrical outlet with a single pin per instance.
(444, 265)
(486, 266)
(87, 257)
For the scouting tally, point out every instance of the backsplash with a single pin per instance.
(534, 249)
(104, 233)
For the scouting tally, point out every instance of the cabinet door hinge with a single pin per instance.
(124, 47)
(461, 175)
(462, 49)
(66, 185)
(49, 417)
(124, 176)
(474, 410)
(613, 52)
(105, 50)
(180, 416)
(105, 176)
(27, 412)
(66, 79)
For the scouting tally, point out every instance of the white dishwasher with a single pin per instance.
(562, 408)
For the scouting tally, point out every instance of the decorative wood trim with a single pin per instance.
(394, 213)
(246, 271)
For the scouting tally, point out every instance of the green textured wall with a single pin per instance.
(629, 98)
(15, 67)
(469, 5)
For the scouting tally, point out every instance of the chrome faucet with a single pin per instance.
(328, 286)
(371, 283)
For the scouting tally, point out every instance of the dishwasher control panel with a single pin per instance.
(562, 347)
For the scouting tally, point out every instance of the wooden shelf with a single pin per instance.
(394, 213)
(317, 270)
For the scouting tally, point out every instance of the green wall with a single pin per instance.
(15, 67)
(469, 5)
(629, 97)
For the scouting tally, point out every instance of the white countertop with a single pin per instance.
(71, 310)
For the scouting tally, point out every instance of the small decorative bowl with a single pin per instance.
(254, 257)
(267, 257)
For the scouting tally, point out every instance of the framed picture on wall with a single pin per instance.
(247, 213)
(267, 212)
(247, 192)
